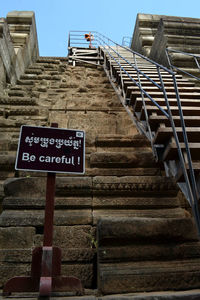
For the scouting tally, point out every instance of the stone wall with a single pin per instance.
(18, 45)
(176, 33)
(154, 33)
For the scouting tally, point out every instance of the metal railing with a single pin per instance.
(113, 54)
(77, 39)
(194, 57)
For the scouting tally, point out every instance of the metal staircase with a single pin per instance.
(164, 106)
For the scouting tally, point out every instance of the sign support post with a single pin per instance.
(46, 261)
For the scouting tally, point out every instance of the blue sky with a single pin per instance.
(113, 18)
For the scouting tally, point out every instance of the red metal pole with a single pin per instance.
(49, 210)
(47, 250)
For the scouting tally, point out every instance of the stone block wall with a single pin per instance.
(154, 33)
(18, 45)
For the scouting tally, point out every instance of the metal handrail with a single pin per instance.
(173, 67)
(111, 49)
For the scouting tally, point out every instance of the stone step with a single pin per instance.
(17, 93)
(36, 186)
(39, 77)
(149, 251)
(73, 255)
(110, 140)
(149, 276)
(97, 202)
(170, 295)
(161, 244)
(36, 202)
(137, 159)
(36, 217)
(117, 213)
(108, 172)
(17, 101)
(137, 202)
(91, 294)
(33, 71)
(139, 186)
(47, 60)
(26, 82)
(157, 230)
(17, 111)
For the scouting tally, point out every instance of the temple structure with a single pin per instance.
(129, 227)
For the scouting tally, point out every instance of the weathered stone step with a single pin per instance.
(149, 276)
(99, 185)
(26, 82)
(17, 111)
(36, 202)
(97, 202)
(150, 251)
(91, 294)
(17, 93)
(75, 255)
(110, 140)
(96, 171)
(33, 71)
(36, 217)
(146, 229)
(47, 60)
(17, 100)
(117, 213)
(39, 77)
(137, 159)
(166, 295)
(36, 186)
(107, 172)
(103, 202)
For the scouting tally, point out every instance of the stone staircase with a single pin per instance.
(123, 227)
(123, 195)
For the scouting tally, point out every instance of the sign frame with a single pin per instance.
(18, 160)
